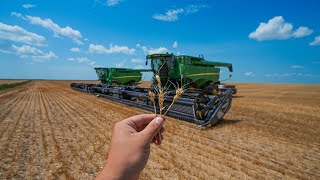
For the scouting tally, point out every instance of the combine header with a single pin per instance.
(204, 101)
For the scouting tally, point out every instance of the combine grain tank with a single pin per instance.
(119, 76)
(205, 100)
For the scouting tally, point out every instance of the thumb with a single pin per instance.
(152, 128)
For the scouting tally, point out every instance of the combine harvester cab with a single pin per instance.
(204, 101)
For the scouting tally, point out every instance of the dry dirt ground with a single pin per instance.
(48, 131)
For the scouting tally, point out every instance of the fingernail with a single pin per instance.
(159, 120)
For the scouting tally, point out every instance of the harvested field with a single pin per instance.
(9, 81)
(48, 131)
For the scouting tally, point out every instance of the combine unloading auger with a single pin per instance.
(204, 101)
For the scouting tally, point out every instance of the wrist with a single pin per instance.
(113, 171)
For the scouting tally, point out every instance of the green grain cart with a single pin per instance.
(119, 76)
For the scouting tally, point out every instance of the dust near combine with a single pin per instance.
(49, 131)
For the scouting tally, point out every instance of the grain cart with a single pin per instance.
(119, 76)
(205, 100)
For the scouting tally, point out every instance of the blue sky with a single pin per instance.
(266, 41)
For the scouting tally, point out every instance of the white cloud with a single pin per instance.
(18, 34)
(249, 74)
(28, 6)
(175, 45)
(278, 29)
(160, 50)
(100, 49)
(137, 60)
(75, 49)
(122, 64)
(16, 14)
(71, 59)
(301, 32)
(296, 67)
(37, 55)
(84, 60)
(170, 15)
(58, 31)
(315, 42)
(290, 75)
(173, 14)
(113, 2)
(144, 48)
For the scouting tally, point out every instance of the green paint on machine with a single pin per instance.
(119, 76)
(194, 71)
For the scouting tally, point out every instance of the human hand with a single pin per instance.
(130, 146)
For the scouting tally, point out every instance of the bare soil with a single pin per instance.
(49, 131)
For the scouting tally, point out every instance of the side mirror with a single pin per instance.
(146, 62)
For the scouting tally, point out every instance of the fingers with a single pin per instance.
(152, 129)
(140, 120)
(158, 138)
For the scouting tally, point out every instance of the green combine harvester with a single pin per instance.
(119, 76)
(204, 101)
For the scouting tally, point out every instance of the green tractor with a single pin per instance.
(189, 71)
(119, 76)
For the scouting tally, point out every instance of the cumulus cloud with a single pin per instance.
(83, 60)
(58, 31)
(175, 45)
(75, 49)
(18, 34)
(28, 6)
(137, 60)
(100, 49)
(249, 74)
(113, 2)
(173, 14)
(277, 29)
(143, 48)
(296, 67)
(37, 55)
(301, 32)
(160, 50)
(315, 42)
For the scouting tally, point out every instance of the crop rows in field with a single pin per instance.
(50, 131)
